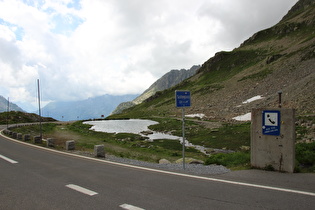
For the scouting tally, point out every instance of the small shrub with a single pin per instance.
(235, 159)
(305, 154)
(269, 168)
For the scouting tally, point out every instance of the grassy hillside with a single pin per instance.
(278, 58)
(14, 117)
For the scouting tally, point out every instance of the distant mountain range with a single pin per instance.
(168, 80)
(12, 106)
(102, 106)
(278, 58)
(96, 107)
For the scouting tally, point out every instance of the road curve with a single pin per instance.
(33, 178)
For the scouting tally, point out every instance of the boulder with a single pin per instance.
(164, 161)
(190, 161)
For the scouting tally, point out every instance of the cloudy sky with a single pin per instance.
(85, 48)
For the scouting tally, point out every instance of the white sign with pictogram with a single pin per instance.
(271, 122)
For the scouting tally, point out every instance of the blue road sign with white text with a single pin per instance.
(182, 98)
(271, 122)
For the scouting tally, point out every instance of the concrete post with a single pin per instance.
(99, 150)
(19, 136)
(269, 148)
(50, 142)
(37, 139)
(70, 145)
(27, 137)
(14, 135)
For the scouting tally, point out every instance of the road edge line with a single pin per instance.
(166, 172)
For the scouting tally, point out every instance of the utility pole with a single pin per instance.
(39, 111)
(8, 109)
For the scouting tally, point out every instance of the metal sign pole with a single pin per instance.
(182, 100)
(183, 130)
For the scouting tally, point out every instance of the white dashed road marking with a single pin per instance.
(130, 207)
(171, 173)
(8, 159)
(81, 189)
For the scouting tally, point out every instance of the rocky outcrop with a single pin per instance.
(280, 58)
(168, 80)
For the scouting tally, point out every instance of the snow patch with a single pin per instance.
(196, 115)
(244, 117)
(252, 99)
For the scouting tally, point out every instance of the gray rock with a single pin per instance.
(164, 161)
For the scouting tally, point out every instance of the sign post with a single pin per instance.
(273, 138)
(182, 99)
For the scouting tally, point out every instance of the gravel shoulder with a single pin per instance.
(194, 169)
(295, 181)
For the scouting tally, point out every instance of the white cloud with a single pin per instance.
(81, 49)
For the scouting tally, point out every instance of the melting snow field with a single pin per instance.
(135, 126)
(121, 126)
(247, 116)
(252, 99)
(196, 115)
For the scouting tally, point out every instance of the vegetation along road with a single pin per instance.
(37, 178)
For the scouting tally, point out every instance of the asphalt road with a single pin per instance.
(33, 178)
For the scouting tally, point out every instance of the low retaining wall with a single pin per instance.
(99, 150)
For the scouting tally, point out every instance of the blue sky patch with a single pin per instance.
(38, 4)
(74, 4)
(66, 24)
(17, 30)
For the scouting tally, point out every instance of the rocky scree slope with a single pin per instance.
(278, 58)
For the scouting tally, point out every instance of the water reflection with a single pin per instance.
(121, 126)
(136, 126)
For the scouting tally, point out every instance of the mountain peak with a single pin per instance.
(168, 80)
(281, 57)
(12, 106)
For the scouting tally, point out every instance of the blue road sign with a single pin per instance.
(271, 122)
(182, 98)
